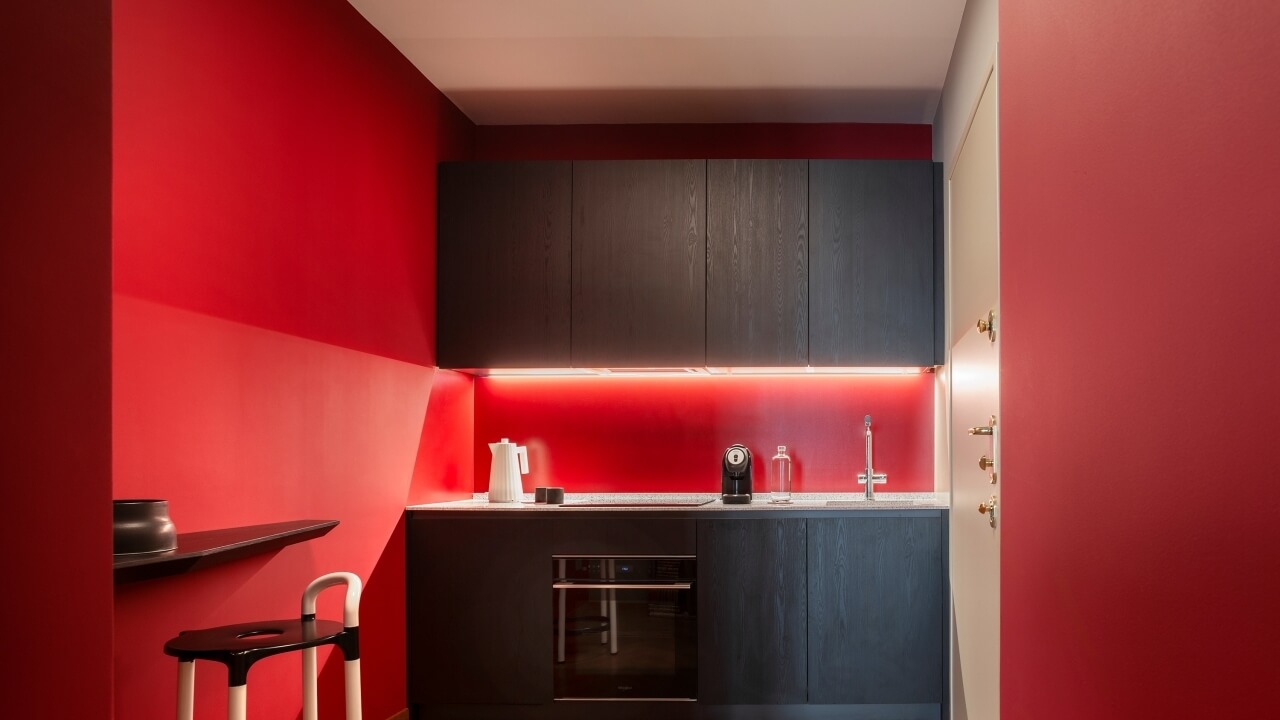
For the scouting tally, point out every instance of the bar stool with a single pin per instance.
(240, 646)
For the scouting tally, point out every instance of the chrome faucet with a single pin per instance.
(870, 477)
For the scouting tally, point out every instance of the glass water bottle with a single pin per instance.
(780, 477)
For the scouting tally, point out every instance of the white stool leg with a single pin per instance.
(604, 608)
(560, 627)
(237, 702)
(613, 614)
(309, 701)
(351, 669)
(186, 690)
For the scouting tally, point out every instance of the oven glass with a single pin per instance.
(624, 628)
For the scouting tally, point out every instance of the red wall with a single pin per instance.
(274, 307)
(605, 434)
(1138, 277)
(55, 276)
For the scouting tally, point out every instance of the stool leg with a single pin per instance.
(604, 611)
(309, 701)
(237, 702)
(604, 606)
(560, 629)
(351, 670)
(186, 689)
(613, 614)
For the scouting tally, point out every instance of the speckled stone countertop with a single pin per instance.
(799, 501)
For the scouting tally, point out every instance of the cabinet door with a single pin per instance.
(503, 273)
(478, 611)
(876, 610)
(639, 263)
(751, 611)
(757, 263)
(871, 247)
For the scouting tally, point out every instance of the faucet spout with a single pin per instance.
(869, 476)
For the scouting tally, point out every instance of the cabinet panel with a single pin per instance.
(478, 611)
(757, 263)
(751, 611)
(619, 536)
(876, 610)
(871, 253)
(503, 268)
(639, 263)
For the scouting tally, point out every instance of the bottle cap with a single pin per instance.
(782, 448)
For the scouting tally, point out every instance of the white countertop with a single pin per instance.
(804, 501)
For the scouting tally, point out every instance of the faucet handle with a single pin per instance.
(879, 478)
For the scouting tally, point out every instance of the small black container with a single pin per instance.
(142, 526)
(555, 496)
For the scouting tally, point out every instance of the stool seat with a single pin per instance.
(241, 645)
(260, 639)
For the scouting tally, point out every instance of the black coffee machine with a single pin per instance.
(735, 476)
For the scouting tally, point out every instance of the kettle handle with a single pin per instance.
(523, 453)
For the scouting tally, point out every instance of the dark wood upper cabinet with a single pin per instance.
(757, 263)
(871, 254)
(503, 265)
(639, 263)
(689, 263)
(877, 609)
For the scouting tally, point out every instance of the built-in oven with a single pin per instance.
(624, 627)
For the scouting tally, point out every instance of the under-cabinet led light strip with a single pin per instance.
(699, 372)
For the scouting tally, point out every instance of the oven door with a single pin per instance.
(625, 628)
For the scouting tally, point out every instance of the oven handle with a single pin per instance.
(621, 586)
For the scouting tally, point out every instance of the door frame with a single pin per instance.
(944, 396)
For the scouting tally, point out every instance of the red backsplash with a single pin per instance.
(666, 434)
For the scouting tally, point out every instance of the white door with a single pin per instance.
(973, 222)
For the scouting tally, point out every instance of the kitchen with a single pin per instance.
(265, 370)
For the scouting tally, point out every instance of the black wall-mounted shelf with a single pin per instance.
(199, 550)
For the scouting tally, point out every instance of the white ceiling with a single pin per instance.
(510, 62)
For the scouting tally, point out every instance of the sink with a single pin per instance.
(875, 503)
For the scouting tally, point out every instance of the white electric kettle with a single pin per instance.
(510, 461)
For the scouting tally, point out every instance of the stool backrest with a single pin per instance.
(351, 604)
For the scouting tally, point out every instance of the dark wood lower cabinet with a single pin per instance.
(877, 610)
(801, 615)
(478, 611)
(751, 611)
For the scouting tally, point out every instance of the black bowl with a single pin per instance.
(142, 526)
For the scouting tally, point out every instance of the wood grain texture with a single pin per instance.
(939, 267)
(757, 263)
(504, 265)
(871, 247)
(639, 263)
(752, 612)
(876, 610)
(620, 536)
(478, 611)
